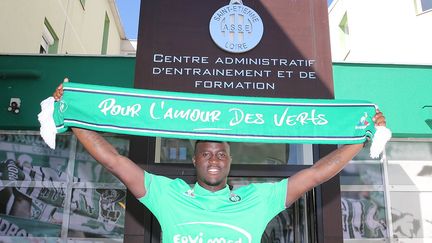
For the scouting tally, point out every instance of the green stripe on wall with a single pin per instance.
(33, 78)
(403, 92)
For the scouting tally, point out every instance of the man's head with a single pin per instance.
(212, 161)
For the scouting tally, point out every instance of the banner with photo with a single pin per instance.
(34, 189)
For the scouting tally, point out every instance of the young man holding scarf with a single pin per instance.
(209, 211)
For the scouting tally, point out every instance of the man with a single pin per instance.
(209, 211)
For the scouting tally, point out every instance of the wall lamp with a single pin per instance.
(14, 105)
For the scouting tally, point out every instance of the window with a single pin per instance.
(410, 191)
(423, 5)
(83, 3)
(105, 35)
(364, 214)
(49, 42)
(60, 195)
(389, 200)
(344, 35)
(289, 226)
(170, 150)
(343, 25)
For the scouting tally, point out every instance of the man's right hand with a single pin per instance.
(58, 93)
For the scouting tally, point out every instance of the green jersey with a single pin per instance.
(195, 215)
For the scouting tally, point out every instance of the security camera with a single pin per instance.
(14, 105)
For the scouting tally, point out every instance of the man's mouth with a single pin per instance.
(213, 170)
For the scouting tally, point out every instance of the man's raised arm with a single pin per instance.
(325, 168)
(122, 167)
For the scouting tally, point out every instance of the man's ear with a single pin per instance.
(193, 161)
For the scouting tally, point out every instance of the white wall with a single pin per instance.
(80, 30)
(381, 31)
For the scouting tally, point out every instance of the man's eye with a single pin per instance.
(206, 154)
(222, 155)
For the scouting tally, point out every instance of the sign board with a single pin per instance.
(274, 48)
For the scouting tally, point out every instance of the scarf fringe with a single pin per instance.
(48, 129)
(380, 139)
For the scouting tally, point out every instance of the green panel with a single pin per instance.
(403, 92)
(33, 78)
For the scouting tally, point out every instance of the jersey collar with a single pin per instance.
(199, 190)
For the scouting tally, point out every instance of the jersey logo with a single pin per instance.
(239, 235)
(189, 193)
(234, 198)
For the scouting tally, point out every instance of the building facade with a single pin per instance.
(64, 195)
(51, 201)
(61, 27)
(383, 200)
(380, 50)
(381, 31)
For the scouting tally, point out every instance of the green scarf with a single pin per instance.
(213, 117)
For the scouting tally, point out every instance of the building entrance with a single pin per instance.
(252, 163)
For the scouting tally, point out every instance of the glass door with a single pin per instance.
(252, 163)
(293, 225)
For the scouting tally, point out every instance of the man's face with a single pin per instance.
(212, 161)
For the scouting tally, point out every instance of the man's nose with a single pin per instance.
(214, 158)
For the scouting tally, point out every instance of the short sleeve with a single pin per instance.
(273, 195)
(154, 186)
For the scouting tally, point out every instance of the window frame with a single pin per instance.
(419, 7)
(50, 40)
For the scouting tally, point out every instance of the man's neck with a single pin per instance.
(212, 188)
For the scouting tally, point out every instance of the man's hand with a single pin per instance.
(58, 93)
(379, 119)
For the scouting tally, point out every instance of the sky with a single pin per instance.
(129, 14)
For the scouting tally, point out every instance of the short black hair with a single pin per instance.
(208, 141)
